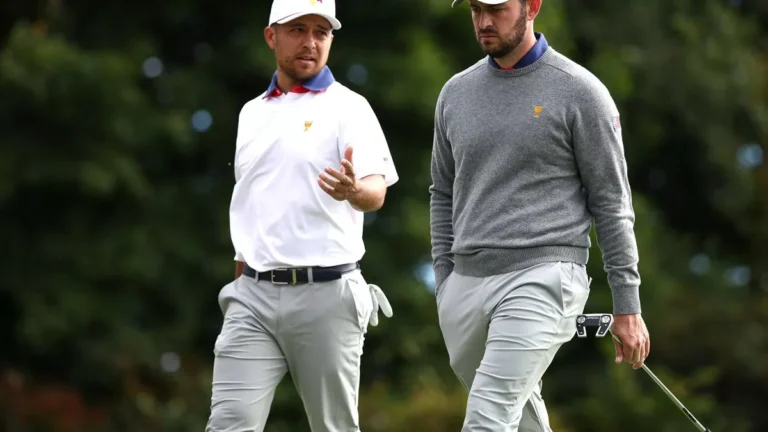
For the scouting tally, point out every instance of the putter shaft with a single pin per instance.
(669, 394)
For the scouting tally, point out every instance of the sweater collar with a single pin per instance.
(530, 57)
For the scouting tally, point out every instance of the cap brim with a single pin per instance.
(490, 2)
(335, 23)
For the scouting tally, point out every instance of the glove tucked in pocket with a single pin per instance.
(379, 300)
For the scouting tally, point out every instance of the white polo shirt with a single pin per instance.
(279, 215)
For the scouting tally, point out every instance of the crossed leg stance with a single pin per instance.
(315, 331)
(502, 333)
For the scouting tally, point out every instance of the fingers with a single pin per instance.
(619, 351)
(334, 187)
(346, 163)
(634, 351)
(333, 182)
(338, 184)
(382, 301)
(645, 350)
(631, 349)
(349, 170)
(633, 339)
(628, 349)
(647, 346)
(346, 180)
(330, 190)
(643, 346)
(640, 356)
(379, 301)
(348, 154)
(631, 353)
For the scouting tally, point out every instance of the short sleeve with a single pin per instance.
(360, 129)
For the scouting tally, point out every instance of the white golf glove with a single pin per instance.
(379, 300)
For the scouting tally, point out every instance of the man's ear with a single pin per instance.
(533, 7)
(269, 36)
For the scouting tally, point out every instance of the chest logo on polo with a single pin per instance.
(537, 110)
(307, 125)
(314, 2)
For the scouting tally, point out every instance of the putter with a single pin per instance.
(603, 323)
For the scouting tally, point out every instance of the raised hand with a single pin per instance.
(341, 184)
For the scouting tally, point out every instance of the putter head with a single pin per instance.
(601, 321)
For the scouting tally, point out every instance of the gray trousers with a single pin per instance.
(502, 332)
(315, 331)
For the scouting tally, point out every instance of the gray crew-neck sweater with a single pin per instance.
(523, 161)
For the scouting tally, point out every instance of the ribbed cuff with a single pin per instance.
(443, 269)
(626, 300)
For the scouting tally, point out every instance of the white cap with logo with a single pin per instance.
(287, 10)
(490, 2)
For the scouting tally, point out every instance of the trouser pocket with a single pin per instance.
(441, 288)
(358, 297)
(225, 295)
(574, 288)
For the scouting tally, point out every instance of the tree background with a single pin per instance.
(117, 127)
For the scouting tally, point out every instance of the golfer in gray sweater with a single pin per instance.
(527, 153)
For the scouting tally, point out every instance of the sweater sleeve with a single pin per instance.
(599, 152)
(441, 198)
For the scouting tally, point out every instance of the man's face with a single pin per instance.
(301, 46)
(499, 28)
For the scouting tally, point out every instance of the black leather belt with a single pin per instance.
(301, 275)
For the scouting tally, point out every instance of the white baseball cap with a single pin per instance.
(491, 2)
(287, 10)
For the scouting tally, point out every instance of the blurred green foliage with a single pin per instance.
(114, 209)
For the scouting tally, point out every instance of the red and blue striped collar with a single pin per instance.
(317, 83)
(530, 57)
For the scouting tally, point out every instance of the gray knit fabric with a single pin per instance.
(523, 162)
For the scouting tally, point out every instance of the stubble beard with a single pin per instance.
(299, 76)
(510, 44)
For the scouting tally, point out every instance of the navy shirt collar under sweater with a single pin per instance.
(531, 56)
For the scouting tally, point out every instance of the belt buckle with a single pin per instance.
(293, 276)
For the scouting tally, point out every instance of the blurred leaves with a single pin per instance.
(114, 210)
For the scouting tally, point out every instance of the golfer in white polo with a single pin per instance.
(310, 159)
